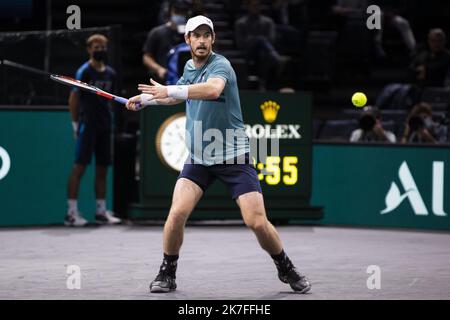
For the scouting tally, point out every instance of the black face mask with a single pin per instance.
(100, 55)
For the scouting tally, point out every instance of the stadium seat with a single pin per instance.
(337, 130)
(439, 98)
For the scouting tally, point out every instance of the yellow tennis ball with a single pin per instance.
(359, 99)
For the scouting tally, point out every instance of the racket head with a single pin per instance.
(74, 83)
(87, 87)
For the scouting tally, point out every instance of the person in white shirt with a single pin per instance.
(370, 128)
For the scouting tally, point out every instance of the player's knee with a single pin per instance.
(178, 215)
(257, 224)
(78, 170)
(100, 171)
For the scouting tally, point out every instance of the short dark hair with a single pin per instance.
(372, 110)
(97, 37)
(438, 32)
(422, 107)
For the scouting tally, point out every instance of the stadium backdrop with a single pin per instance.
(354, 183)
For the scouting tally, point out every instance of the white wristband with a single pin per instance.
(178, 92)
(147, 100)
(75, 126)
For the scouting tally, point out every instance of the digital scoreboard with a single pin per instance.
(279, 127)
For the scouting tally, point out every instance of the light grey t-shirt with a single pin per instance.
(214, 128)
(358, 135)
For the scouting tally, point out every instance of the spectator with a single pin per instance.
(164, 11)
(370, 128)
(292, 23)
(356, 9)
(389, 16)
(163, 38)
(255, 36)
(195, 8)
(291, 12)
(429, 68)
(421, 128)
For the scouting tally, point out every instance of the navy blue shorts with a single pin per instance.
(239, 178)
(92, 140)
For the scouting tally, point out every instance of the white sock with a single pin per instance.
(101, 205)
(72, 205)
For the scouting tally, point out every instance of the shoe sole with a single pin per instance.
(305, 290)
(107, 222)
(68, 224)
(158, 289)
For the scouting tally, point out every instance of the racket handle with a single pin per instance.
(138, 105)
(121, 100)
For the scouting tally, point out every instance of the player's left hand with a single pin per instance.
(157, 90)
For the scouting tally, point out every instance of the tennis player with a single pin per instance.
(209, 87)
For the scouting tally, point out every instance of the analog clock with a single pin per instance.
(170, 142)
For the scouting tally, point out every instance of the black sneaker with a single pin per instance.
(163, 283)
(298, 282)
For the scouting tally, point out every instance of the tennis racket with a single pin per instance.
(90, 88)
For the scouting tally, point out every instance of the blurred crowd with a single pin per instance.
(271, 37)
(428, 72)
(419, 126)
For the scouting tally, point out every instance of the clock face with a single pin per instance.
(170, 142)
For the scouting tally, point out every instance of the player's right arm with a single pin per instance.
(74, 98)
(147, 99)
(133, 101)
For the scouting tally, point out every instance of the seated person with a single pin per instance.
(255, 37)
(371, 129)
(421, 128)
(356, 9)
(429, 68)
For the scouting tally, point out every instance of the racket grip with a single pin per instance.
(121, 100)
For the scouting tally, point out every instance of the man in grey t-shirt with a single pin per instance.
(213, 111)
